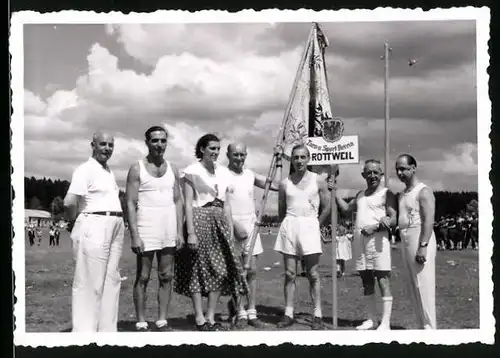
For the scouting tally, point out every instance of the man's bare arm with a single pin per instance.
(346, 207)
(71, 206)
(178, 201)
(132, 195)
(282, 201)
(391, 205)
(260, 182)
(324, 200)
(188, 205)
(427, 211)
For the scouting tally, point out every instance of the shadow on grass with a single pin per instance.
(268, 314)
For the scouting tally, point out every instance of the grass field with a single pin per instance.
(49, 274)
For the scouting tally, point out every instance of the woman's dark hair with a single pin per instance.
(154, 129)
(409, 159)
(203, 143)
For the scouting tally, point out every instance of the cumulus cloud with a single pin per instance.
(235, 79)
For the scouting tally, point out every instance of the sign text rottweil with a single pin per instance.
(343, 151)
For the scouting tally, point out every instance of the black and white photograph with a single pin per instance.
(275, 176)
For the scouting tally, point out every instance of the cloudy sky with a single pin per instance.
(235, 79)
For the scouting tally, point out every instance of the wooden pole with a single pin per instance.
(279, 141)
(387, 50)
(334, 212)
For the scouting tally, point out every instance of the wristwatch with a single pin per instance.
(423, 244)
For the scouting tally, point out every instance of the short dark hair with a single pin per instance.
(154, 129)
(203, 143)
(409, 159)
(300, 146)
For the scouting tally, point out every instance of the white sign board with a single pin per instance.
(343, 151)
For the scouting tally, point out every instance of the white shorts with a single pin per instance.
(157, 228)
(372, 252)
(299, 236)
(243, 246)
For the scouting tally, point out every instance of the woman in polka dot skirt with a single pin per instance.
(208, 266)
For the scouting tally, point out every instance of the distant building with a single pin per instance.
(37, 217)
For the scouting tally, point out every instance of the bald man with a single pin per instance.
(97, 236)
(375, 209)
(241, 198)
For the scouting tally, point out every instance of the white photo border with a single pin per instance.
(484, 334)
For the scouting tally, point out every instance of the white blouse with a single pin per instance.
(206, 186)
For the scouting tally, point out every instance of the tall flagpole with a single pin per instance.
(387, 50)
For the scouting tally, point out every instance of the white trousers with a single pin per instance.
(421, 278)
(97, 248)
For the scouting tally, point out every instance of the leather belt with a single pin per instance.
(106, 213)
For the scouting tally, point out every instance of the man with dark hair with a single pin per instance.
(303, 205)
(155, 223)
(416, 222)
(375, 209)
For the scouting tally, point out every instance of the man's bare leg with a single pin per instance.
(312, 263)
(252, 295)
(367, 276)
(165, 259)
(290, 263)
(143, 273)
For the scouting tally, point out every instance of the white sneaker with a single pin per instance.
(368, 324)
(427, 326)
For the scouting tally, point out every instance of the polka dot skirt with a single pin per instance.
(213, 266)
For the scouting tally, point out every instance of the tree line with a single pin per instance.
(48, 194)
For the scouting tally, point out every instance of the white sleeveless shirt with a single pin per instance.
(409, 208)
(370, 209)
(303, 202)
(155, 192)
(240, 193)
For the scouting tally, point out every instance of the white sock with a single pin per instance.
(242, 314)
(161, 322)
(317, 312)
(289, 312)
(387, 308)
(141, 325)
(252, 313)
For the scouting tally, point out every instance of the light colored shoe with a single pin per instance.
(427, 326)
(368, 324)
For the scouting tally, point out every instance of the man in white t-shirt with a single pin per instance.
(97, 236)
(241, 198)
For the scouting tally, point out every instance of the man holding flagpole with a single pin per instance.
(303, 205)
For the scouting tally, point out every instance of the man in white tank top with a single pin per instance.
(303, 205)
(241, 198)
(376, 213)
(155, 220)
(416, 225)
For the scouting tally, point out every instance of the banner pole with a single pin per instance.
(334, 211)
(387, 50)
(275, 161)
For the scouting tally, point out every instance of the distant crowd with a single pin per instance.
(35, 234)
